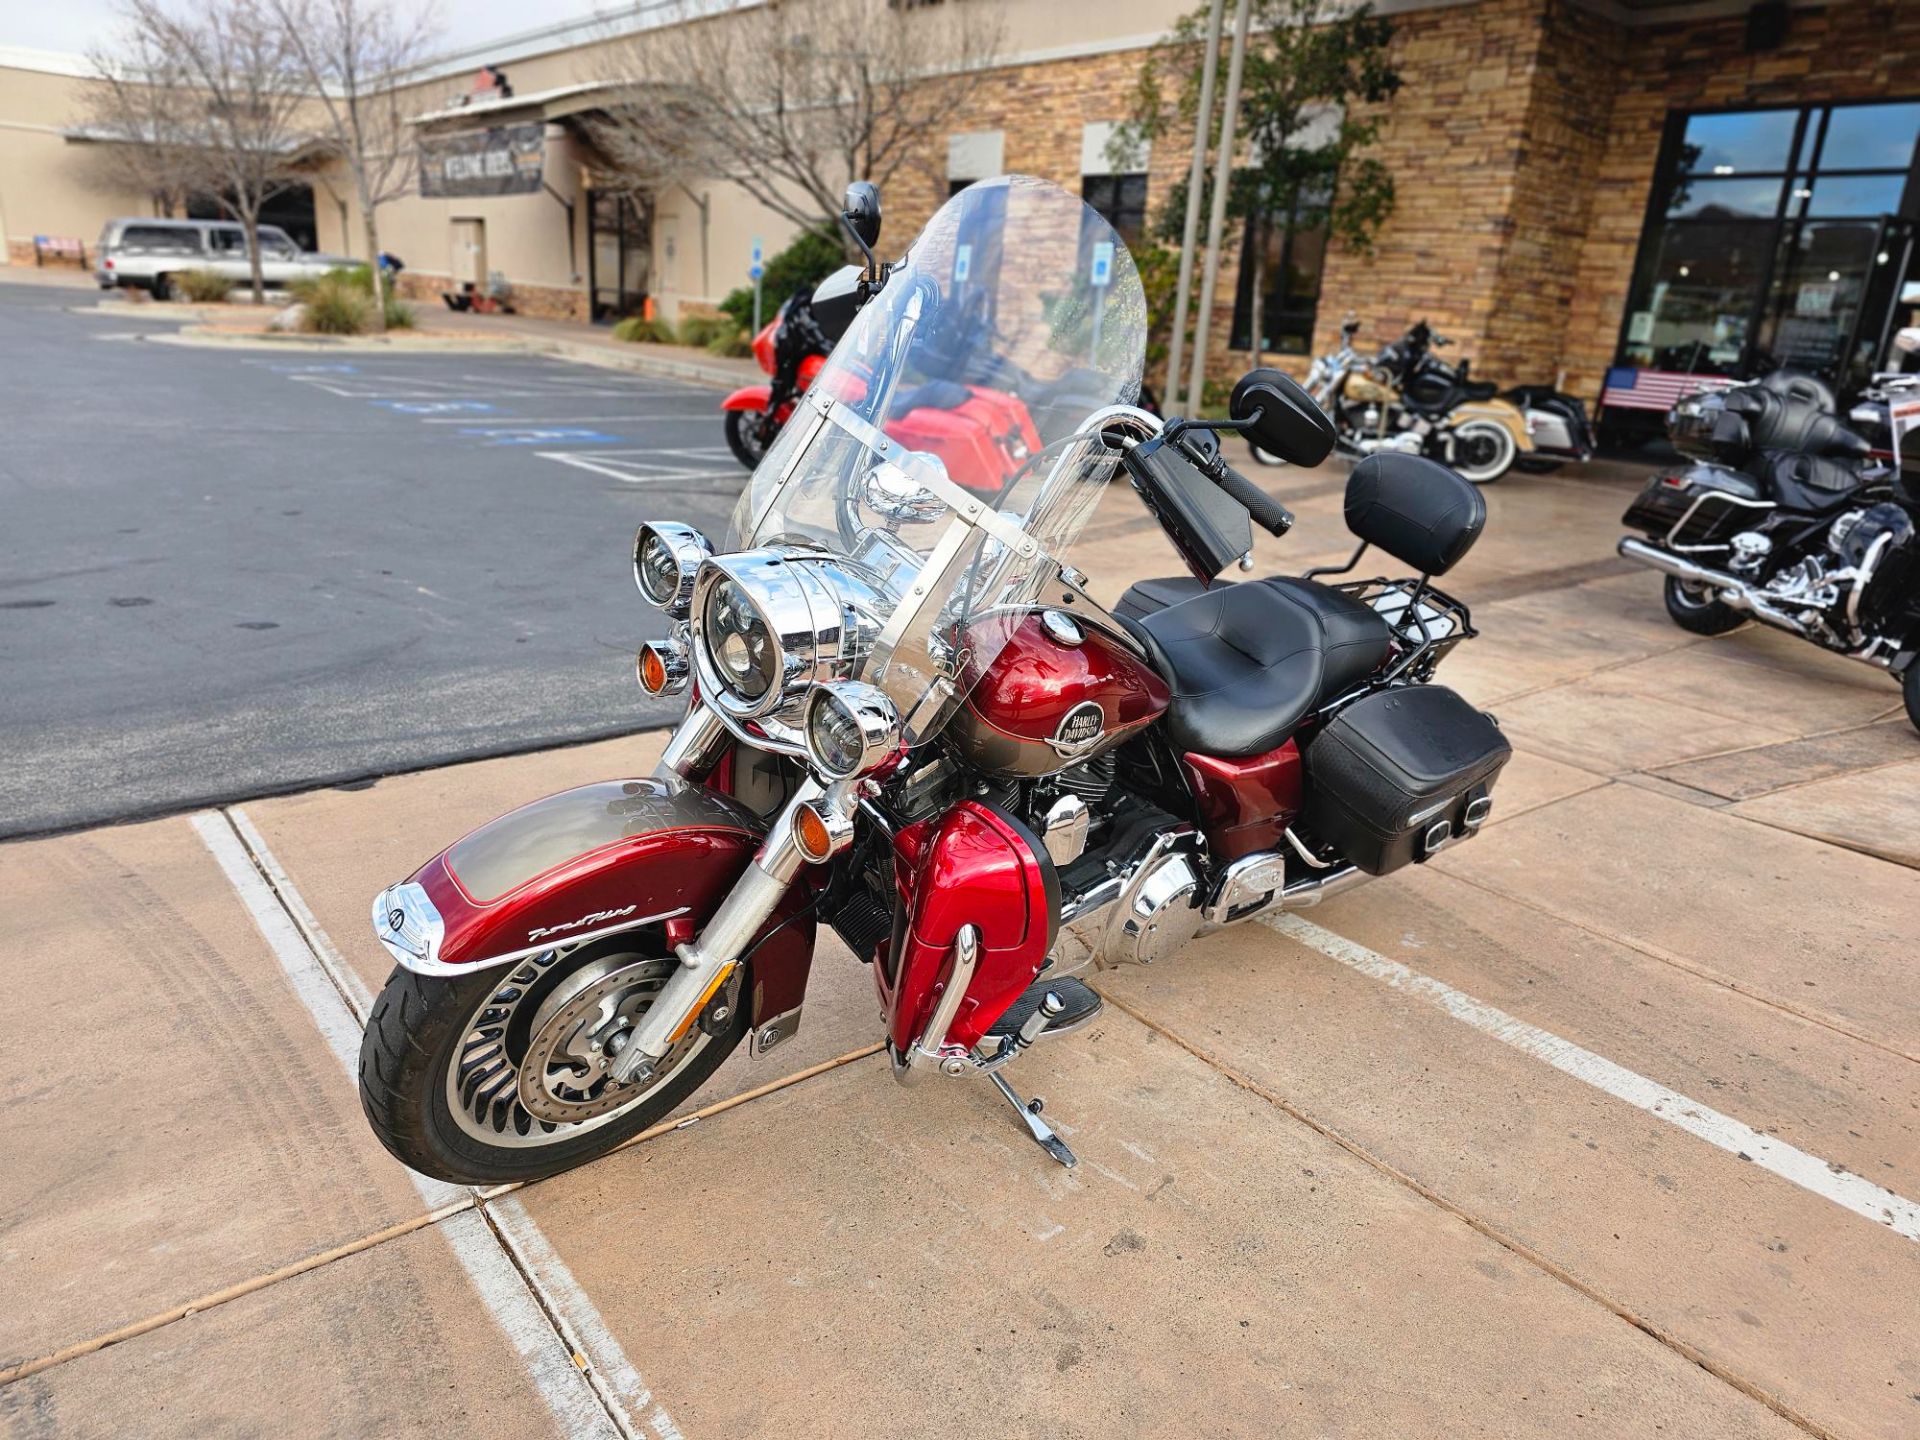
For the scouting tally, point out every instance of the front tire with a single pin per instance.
(1483, 451)
(1910, 692)
(744, 437)
(1699, 613)
(444, 1064)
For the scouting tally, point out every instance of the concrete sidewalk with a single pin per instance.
(1510, 1143)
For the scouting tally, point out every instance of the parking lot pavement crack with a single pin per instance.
(1519, 1248)
(1691, 967)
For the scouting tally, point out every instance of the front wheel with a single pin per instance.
(1910, 692)
(1483, 451)
(1696, 611)
(503, 1075)
(748, 437)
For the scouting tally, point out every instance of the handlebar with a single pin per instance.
(1269, 514)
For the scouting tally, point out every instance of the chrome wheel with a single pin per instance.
(531, 1067)
(1483, 451)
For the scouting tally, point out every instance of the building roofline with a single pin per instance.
(45, 62)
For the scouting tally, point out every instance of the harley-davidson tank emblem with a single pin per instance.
(1081, 728)
(598, 917)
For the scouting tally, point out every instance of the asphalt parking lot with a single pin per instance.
(1606, 1123)
(226, 573)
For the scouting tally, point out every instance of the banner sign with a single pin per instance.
(505, 160)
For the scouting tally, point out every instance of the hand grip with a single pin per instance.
(1269, 514)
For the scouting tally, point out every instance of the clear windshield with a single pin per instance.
(943, 456)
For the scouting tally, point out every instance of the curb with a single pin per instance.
(198, 337)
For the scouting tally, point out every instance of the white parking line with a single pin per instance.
(562, 1356)
(1809, 1172)
(644, 467)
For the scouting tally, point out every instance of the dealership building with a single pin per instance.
(1608, 193)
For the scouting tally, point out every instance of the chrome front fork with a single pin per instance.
(709, 961)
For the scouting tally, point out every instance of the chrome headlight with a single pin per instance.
(666, 561)
(767, 623)
(741, 644)
(851, 728)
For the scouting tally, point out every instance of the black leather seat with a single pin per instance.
(1478, 389)
(1247, 662)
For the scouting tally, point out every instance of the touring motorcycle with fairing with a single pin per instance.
(1783, 514)
(908, 720)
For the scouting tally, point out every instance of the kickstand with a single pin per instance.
(1043, 1133)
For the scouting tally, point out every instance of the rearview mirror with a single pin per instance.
(1288, 423)
(861, 211)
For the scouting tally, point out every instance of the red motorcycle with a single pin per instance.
(791, 348)
(908, 720)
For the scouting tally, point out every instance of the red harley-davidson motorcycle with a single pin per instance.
(909, 721)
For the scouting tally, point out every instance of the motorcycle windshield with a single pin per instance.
(942, 460)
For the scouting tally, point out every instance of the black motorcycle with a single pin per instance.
(1779, 513)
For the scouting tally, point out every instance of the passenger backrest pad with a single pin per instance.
(1415, 509)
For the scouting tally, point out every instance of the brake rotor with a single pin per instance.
(579, 1030)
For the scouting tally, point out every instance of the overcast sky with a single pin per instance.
(74, 25)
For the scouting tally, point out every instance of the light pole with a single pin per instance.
(1202, 124)
(1222, 173)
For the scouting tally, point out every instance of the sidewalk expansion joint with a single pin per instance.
(1491, 1231)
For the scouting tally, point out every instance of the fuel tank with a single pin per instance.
(1059, 692)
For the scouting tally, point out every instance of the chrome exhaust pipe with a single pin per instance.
(1730, 589)
(1315, 888)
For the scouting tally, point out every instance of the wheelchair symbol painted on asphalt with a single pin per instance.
(518, 435)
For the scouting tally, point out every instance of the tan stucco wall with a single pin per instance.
(46, 182)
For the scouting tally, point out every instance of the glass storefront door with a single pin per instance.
(1776, 237)
(619, 254)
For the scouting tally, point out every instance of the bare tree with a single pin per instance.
(791, 101)
(143, 127)
(356, 54)
(241, 90)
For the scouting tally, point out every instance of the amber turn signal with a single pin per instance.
(811, 834)
(661, 667)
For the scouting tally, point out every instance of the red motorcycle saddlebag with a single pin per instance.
(982, 436)
(1398, 775)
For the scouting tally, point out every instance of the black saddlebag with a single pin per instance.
(1396, 776)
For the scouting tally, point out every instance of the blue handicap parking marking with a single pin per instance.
(439, 407)
(529, 435)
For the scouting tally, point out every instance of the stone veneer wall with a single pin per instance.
(1473, 141)
(1864, 50)
(543, 302)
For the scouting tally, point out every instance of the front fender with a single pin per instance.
(588, 862)
(749, 397)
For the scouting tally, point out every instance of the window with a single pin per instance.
(1776, 237)
(1295, 256)
(976, 155)
(1121, 201)
(161, 239)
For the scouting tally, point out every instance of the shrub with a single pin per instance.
(203, 287)
(335, 305)
(399, 314)
(703, 330)
(730, 344)
(814, 255)
(637, 329)
(347, 277)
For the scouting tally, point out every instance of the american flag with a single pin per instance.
(1631, 389)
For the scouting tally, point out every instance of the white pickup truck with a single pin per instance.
(145, 254)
